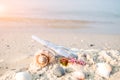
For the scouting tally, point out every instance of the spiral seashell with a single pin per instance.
(43, 58)
(103, 69)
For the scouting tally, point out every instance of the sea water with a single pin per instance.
(104, 14)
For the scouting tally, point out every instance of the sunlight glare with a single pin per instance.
(2, 10)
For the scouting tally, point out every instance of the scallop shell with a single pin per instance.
(23, 76)
(103, 69)
(78, 75)
(43, 58)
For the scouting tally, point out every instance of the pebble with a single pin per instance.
(91, 45)
(58, 71)
(8, 45)
(69, 70)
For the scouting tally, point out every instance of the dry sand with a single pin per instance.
(17, 47)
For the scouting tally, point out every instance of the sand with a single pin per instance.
(17, 47)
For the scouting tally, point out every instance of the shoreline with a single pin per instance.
(16, 24)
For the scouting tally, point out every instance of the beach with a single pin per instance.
(88, 30)
(17, 48)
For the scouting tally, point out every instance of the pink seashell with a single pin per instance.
(79, 75)
(74, 61)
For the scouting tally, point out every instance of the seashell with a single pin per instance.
(42, 58)
(103, 69)
(105, 56)
(114, 53)
(23, 76)
(78, 75)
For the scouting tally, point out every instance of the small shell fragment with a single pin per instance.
(105, 56)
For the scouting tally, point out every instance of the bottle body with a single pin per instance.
(60, 50)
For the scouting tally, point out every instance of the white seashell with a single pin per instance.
(103, 69)
(105, 56)
(23, 76)
(78, 75)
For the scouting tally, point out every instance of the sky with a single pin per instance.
(65, 8)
